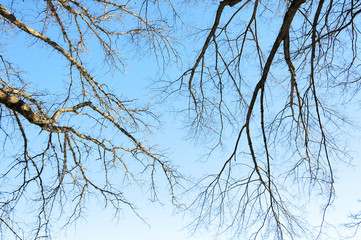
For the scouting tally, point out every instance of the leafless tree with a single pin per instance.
(61, 149)
(270, 79)
(276, 72)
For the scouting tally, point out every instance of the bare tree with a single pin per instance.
(272, 76)
(84, 130)
(277, 73)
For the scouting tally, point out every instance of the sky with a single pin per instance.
(164, 223)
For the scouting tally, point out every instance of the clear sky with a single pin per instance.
(44, 69)
(164, 224)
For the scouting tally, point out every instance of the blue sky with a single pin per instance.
(164, 223)
(43, 68)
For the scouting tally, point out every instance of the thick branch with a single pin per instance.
(18, 105)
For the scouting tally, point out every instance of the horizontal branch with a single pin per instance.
(18, 105)
(14, 103)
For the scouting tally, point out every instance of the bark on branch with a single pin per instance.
(18, 105)
(14, 103)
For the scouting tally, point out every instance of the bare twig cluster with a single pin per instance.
(286, 145)
(86, 134)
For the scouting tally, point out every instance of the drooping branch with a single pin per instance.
(283, 33)
(211, 34)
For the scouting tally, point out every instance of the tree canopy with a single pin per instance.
(270, 84)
